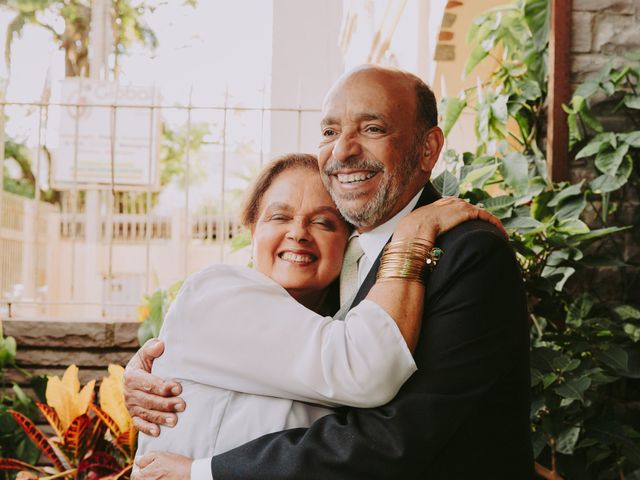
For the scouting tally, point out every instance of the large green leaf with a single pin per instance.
(632, 138)
(515, 170)
(567, 440)
(522, 224)
(597, 144)
(453, 107)
(601, 232)
(446, 184)
(632, 101)
(615, 357)
(607, 183)
(571, 208)
(579, 310)
(609, 161)
(574, 388)
(477, 55)
(565, 193)
(477, 177)
(573, 226)
(627, 311)
(536, 16)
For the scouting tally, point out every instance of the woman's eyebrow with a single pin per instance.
(279, 206)
(328, 209)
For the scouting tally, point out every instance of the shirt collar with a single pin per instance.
(373, 241)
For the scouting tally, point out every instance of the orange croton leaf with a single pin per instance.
(52, 417)
(112, 398)
(77, 436)
(15, 464)
(126, 442)
(108, 421)
(37, 437)
(66, 398)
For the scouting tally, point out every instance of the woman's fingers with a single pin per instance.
(441, 216)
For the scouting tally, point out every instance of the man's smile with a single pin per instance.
(355, 177)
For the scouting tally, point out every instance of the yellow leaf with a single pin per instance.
(143, 312)
(112, 397)
(66, 398)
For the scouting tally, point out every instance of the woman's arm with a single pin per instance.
(402, 299)
(236, 329)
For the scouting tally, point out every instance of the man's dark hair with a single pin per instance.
(426, 107)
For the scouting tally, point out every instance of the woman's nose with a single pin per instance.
(298, 231)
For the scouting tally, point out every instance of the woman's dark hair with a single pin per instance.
(251, 204)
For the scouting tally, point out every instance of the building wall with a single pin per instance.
(306, 61)
(605, 30)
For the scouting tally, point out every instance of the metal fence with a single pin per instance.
(95, 252)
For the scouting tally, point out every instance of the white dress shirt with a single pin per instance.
(242, 378)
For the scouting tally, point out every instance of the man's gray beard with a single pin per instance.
(386, 196)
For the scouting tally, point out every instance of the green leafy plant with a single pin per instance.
(89, 441)
(153, 309)
(585, 347)
(14, 442)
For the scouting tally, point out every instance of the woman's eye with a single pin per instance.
(278, 216)
(328, 132)
(324, 222)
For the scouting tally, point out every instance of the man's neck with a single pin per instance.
(401, 203)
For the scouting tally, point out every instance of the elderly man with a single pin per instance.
(465, 412)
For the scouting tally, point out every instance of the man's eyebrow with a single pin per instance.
(328, 121)
(361, 117)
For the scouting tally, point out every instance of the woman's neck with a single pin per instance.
(312, 300)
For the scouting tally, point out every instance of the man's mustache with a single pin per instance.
(334, 166)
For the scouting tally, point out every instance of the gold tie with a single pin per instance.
(349, 273)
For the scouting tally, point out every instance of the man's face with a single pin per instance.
(370, 150)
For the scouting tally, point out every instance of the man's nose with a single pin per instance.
(346, 146)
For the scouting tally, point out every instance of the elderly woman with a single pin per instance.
(219, 331)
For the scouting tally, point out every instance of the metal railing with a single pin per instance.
(97, 251)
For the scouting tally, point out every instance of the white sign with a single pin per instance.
(108, 133)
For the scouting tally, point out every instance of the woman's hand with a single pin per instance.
(165, 466)
(439, 217)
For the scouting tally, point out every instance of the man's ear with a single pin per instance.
(432, 143)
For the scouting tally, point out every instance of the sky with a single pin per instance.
(217, 48)
(213, 47)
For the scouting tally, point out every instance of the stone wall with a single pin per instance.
(49, 347)
(605, 30)
(602, 29)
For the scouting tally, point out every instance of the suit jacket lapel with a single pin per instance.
(429, 195)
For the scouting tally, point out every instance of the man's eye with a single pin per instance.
(328, 132)
(373, 129)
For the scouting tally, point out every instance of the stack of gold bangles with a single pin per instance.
(409, 260)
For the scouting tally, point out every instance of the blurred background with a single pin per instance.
(132, 128)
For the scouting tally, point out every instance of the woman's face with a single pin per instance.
(299, 238)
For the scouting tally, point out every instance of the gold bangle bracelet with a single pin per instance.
(410, 260)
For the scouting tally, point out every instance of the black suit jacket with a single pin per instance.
(463, 415)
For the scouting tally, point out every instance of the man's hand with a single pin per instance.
(150, 400)
(165, 466)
